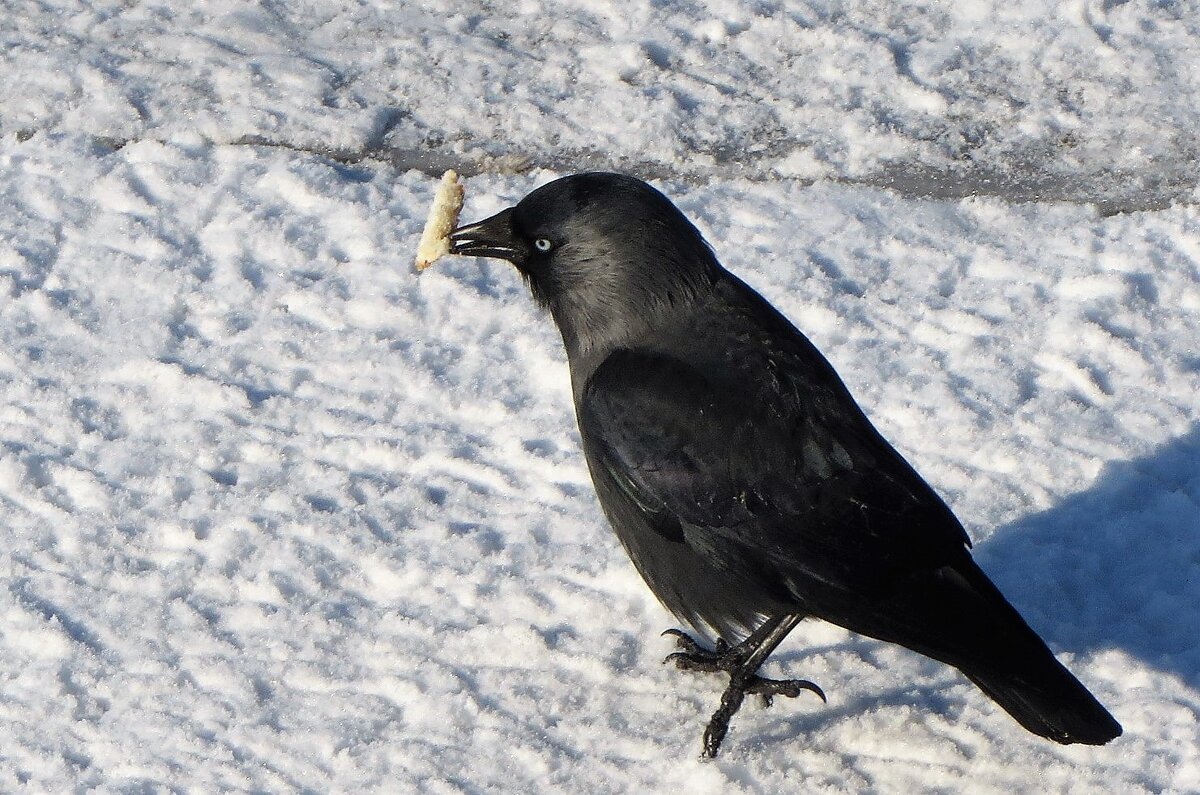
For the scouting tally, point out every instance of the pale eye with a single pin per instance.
(543, 244)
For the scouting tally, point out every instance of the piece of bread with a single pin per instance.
(443, 218)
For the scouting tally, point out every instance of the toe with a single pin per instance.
(684, 640)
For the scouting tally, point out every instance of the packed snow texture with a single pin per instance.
(278, 515)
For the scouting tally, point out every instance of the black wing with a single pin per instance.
(768, 470)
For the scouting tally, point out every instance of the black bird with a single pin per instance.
(740, 475)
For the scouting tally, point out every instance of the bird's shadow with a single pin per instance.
(1116, 566)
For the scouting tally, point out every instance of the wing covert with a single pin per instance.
(758, 468)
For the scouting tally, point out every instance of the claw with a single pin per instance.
(695, 657)
(686, 641)
(741, 663)
(767, 689)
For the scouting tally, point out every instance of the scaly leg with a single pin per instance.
(741, 662)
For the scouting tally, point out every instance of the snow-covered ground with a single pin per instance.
(278, 515)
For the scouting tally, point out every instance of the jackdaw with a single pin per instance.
(745, 483)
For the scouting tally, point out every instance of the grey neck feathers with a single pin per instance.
(625, 307)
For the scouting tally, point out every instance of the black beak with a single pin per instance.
(491, 237)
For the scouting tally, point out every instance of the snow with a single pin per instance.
(278, 515)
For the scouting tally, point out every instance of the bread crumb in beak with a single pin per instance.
(442, 220)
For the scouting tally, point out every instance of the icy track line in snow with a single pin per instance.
(1023, 181)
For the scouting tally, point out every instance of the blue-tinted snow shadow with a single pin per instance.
(1115, 566)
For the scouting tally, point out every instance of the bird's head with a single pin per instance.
(607, 253)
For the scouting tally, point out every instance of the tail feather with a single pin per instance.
(1022, 675)
(1051, 703)
(959, 617)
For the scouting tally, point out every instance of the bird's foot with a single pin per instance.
(728, 659)
(732, 660)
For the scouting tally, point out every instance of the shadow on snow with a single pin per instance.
(1115, 566)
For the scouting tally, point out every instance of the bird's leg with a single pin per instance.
(726, 659)
(741, 662)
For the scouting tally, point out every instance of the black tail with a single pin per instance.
(1050, 702)
(1024, 678)
(959, 617)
